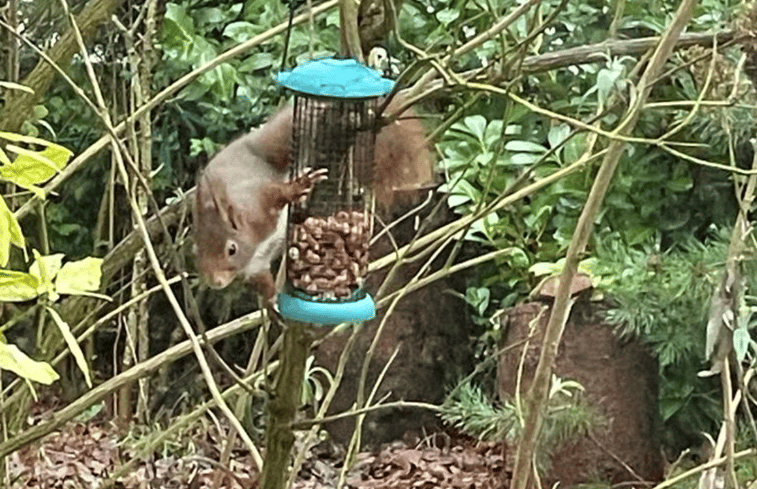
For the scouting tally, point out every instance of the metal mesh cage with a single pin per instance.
(329, 233)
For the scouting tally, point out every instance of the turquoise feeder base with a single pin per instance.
(321, 312)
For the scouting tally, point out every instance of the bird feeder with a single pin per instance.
(335, 106)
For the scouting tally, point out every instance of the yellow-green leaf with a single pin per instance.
(45, 268)
(4, 158)
(13, 359)
(5, 235)
(80, 276)
(15, 86)
(20, 138)
(17, 286)
(30, 167)
(73, 345)
(13, 228)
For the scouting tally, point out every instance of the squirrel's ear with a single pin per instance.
(212, 198)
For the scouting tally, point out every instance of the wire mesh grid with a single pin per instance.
(337, 135)
(329, 233)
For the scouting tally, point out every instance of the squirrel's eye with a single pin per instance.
(231, 248)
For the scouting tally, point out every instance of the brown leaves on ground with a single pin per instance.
(481, 466)
(83, 456)
(79, 456)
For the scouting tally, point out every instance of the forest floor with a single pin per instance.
(84, 455)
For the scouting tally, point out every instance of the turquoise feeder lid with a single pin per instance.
(317, 312)
(337, 78)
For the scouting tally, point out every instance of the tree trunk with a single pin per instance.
(19, 104)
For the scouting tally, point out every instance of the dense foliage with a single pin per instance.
(659, 243)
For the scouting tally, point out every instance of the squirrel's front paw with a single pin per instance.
(307, 180)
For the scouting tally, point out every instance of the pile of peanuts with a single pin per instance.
(328, 256)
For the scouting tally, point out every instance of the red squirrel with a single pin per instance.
(240, 206)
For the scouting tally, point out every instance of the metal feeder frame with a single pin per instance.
(335, 105)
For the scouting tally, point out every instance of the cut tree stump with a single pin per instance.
(620, 377)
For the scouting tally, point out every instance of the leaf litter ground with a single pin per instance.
(84, 455)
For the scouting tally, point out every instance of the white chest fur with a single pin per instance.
(269, 249)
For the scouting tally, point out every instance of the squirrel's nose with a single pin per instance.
(220, 280)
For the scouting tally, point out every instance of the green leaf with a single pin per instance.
(73, 345)
(257, 61)
(10, 233)
(558, 134)
(209, 15)
(76, 277)
(605, 82)
(91, 412)
(517, 256)
(542, 268)
(33, 167)
(457, 200)
(178, 30)
(17, 286)
(680, 184)
(493, 133)
(4, 158)
(40, 112)
(465, 189)
(670, 406)
(19, 138)
(478, 298)
(741, 342)
(226, 77)
(44, 269)
(448, 15)
(476, 125)
(524, 147)
(574, 148)
(524, 158)
(242, 31)
(13, 359)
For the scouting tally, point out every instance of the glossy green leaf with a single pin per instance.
(524, 147)
(226, 78)
(178, 30)
(448, 15)
(257, 61)
(73, 345)
(17, 286)
(475, 125)
(16, 361)
(242, 31)
(524, 158)
(574, 148)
